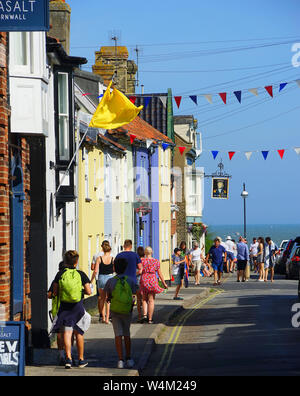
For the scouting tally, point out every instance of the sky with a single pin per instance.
(208, 47)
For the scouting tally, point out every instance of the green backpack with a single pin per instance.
(70, 286)
(121, 301)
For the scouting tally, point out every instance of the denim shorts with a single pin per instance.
(217, 267)
(102, 280)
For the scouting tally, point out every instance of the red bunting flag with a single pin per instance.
(231, 154)
(269, 89)
(182, 149)
(178, 100)
(132, 99)
(132, 138)
(223, 96)
(281, 153)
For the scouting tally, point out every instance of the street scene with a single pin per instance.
(149, 190)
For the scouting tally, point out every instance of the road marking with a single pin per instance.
(176, 333)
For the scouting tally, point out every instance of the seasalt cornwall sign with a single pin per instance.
(24, 15)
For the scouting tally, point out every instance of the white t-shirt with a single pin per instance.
(196, 254)
(229, 246)
(95, 257)
(254, 248)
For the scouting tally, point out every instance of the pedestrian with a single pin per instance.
(261, 259)
(242, 259)
(184, 266)
(218, 255)
(53, 313)
(178, 260)
(197, 259)
(253, 255)
(271, 249)
(104, 270)
(96, 258)
(120, 290)
(134, 267)
(139, 298)
(230, 254)
(71, 285)
(149, 284)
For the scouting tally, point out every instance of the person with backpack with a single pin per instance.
(70, 285)
(53, 313)
(120, 290)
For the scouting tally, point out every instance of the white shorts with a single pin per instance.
(197, 265)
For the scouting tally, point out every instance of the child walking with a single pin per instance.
(71, 285)
(120, 291)
(178, 280)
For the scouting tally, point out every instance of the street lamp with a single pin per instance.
(245, 195)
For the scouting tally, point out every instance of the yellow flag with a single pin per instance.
(114, 110)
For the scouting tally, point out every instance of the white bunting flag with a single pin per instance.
(148, 143)
(297, 149)
(298, 82)
(209, 98)
(164, 100)
(248, 154)
(198, 153)
(254, 91)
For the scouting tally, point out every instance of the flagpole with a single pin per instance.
(71, 162)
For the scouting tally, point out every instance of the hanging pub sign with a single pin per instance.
(24, 15)
(220, 187)
(12, 350)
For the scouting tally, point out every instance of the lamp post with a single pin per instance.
(245, 195)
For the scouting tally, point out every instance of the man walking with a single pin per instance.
(216, 252)
(253, 255)
(270, 251)
(134, 267)
(242, 259)
(230, 254)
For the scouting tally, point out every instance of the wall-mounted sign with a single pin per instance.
(220, 187)
(24, 15)
(12, 349)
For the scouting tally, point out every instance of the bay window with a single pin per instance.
(63, 116)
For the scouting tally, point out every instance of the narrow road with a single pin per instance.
(245, 330)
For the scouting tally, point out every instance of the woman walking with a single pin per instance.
(105, 269)
(197, 259)
(261, 259)
(149, 283)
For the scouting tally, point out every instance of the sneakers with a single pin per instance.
(82, 363)
(121, 364)
(178, 298)
(68, 364)
(129, 363)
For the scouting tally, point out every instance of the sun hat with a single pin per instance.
(228, 238)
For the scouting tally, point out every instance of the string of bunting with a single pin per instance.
(209, 97)
(164, 145)
(248, 154)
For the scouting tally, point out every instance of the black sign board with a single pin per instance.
(24, 15)
(12, 349)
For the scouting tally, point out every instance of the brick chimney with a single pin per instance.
(60, 19)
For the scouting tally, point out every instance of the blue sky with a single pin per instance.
(196, 36)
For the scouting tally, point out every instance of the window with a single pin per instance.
(20, 51)
(95, 174)
(63, 116)
(86, 173)
(167, 167)
(166, 240)
(162, 240)
(107, 176)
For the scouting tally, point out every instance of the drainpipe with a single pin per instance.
(150, 193)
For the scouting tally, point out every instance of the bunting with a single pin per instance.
(238, 95)
(297, 149)
(164, 100)
(165, 146)
(146, 101)
(223, 96)
(132, 138)
(215, 154)
(231, 154)
(282, 86)
(182, 150)
(194, 99)
(254, 91)
(281, 153)
(269, 89)
(265, 154)
(248, 155)
(178, 100)
(132, 99)
(208, 98)
(148, 143)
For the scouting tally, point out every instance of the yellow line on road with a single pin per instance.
(176, 333)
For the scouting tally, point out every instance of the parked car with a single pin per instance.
(281, 250)
(293, 263)
(280, 268)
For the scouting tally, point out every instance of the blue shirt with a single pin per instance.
(242, 251)
(217, 254)
(133, 260)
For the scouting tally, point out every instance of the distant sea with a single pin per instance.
(275, 231)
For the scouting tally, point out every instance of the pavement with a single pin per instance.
(245, 330)
(99, 340)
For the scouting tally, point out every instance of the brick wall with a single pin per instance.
(4, 188)
(5, 232)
